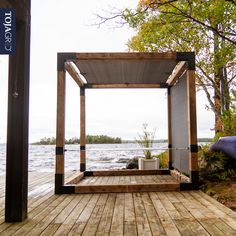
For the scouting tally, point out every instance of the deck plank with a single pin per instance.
(117, 226)
(225, 217)
(152, 216)
(143, 226)
(129, 215)
(167, 222)
(200, 195)
(141, 213)
(211, 228)
(96, 215)
(50, 216)
(73, 217)
(84, 216)
(106, 218)
(126, 183)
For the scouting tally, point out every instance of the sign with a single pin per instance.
(7, 31)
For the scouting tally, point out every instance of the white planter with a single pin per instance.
(148, 164)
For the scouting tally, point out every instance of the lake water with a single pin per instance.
(99, 156)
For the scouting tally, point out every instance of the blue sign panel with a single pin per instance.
(7, 31)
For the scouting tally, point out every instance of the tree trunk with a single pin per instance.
(218, 74)
(217, 110)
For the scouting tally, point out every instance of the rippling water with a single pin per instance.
(99, 156)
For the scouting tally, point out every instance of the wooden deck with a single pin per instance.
(126, 183)
(146, 213)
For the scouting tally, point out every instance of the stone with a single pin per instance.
(132, 163)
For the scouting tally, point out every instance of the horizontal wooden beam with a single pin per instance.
(178, 71)
(127, 188)
(127, 56)
(75, 178)
(74, 74)
(117, 86)
(126, 172)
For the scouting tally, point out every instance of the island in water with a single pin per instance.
(90, 139)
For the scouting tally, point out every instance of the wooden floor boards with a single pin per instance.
(126, 179)
(140, 213)
(126, 183)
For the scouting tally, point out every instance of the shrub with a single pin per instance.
(163, 159)
(210, 161)
(228, 119)
(215, 166)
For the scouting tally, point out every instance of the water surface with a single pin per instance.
(99, 156)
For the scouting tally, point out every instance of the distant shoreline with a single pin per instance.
(90, 139)
(200, 140)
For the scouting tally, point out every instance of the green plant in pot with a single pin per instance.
(145, 141)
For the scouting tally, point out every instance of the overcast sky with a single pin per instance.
(66, 26)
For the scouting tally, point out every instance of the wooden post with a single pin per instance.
(18, 117)
(60, 133)
(192, 127)
(82, 130)
(169, 127)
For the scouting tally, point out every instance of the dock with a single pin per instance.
(140, 213)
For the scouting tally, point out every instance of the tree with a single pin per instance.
(206, 27)
(229, 119)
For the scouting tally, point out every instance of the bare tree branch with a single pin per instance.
(206, 75)
(206, 90)
(157, 4)
(188, 16)
(104, 20)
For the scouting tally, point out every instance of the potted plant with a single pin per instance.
(145, 141)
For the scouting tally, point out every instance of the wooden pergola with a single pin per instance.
(173, 71)
(18, 108)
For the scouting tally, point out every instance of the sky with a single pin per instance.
(68, 26)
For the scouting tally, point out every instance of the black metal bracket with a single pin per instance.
(164, 85)
(88, 173)
(82, 91)
(194, 184)
(62, 57)
(60, 188)
(82, 167)
(188, 186)
(169, 90)
(60, 150)
(170, 165)
(187, 56)
(88, 85)
(193, 148)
